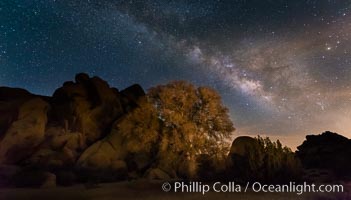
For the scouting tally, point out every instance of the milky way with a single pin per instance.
(282, 67)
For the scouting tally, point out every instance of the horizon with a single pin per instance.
(290, 141)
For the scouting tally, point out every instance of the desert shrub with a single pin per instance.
(266, 161)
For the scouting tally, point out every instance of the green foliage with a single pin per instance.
(280, 163)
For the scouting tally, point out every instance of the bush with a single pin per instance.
(265, 161)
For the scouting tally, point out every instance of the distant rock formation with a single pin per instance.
(327, 151)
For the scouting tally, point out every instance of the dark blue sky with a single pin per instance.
(282, 67)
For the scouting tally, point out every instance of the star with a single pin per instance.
(267, 64)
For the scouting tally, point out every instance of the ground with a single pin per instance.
(146, 190)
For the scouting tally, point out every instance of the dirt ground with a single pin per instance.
(146, 190)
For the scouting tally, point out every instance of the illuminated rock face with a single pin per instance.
(26, 133)
(10, 101)
(82, 113)
(51, 133)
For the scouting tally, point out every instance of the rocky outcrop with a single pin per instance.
(82, 113)
(14, 94)
(327, 151)
(88, 106)
(100, 155)
(89, 132)
(60, 150)
(131, 96)
(52, 134)
(119, 147)
(241, 145)
(26, 133)
(10, 101)
(112, 154)
(243, 150)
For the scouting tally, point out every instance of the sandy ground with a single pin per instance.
(146, 190)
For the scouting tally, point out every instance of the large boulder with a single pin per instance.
(60, 150)
(100, 155)
(10, 101)
(244, 149)
(117, 145)
(130, 96)
(241, 145)
(105, 153)
(104, 160)
(79, 130)
(88, 106)
(26, 133)
(328, 151)
(10, 94)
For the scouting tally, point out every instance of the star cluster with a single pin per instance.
(282, 67)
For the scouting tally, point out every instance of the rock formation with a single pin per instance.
(26, 133)
(91, 132)
(10, 100)
(327, 151)
(241, 145)
(45, 135)
(242, 151)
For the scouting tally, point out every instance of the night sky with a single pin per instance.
(283, 67)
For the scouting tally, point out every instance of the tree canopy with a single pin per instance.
(178, 122)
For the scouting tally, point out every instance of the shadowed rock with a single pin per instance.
(133, 92)
(327, 151)
(88, 106)
(10, 94)
(241, 151)
(241, 145)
